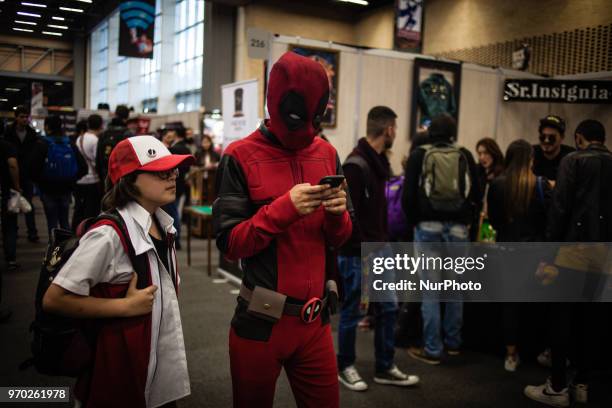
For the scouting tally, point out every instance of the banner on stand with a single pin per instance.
(136, 28)
(408, 25)
(240, 110)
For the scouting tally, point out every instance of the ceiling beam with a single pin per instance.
(32, 75)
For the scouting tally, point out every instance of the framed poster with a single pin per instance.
(330, 60)
(436, 89)
(408, 25)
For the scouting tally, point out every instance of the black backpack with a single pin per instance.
(61, 345)
(106, 143)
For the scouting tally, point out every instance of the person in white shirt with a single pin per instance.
(88, 189)
(139, 326)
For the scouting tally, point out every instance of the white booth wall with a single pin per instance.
(373, 77)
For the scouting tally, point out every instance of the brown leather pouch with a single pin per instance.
(266, 304)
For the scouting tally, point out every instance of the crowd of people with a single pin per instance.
(298, 241)
(549, 192)
(70, 170)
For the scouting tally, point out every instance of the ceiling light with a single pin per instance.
(58, 18)
(59, 83)
(12, 89)
(3, 100)
(23, 13)
(27, 30)
(84, 1)
(57, 26)
(52, 33)
(71, 9)
(23, 3)
(360, 2)
(25, 22)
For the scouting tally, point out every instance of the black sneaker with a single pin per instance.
(394, 376)
(12, 266)
(421, 355)
(453, 351)
(350, 378)
(33, 239)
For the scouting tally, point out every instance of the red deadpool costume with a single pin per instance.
(279, 249)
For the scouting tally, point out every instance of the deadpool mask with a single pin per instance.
(298, 91)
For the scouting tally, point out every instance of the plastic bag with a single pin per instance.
(24, 205)
(13, 203)
(17, 203)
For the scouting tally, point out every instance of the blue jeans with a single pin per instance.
(435, 231)
(56, 207)
(386, 315)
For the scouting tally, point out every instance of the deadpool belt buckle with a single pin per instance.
(311, 310)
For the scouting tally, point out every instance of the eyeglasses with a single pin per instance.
(166, 175)
(549, 138)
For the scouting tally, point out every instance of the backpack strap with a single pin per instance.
(139, 262)
(365, 169)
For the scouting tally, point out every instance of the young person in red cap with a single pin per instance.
(139, 357)
(272, 214)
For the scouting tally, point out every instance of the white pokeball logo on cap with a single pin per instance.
(151, 153)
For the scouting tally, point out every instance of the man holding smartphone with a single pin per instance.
(367, 170)
(273, 215)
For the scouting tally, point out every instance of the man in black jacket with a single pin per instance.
(367, 170)
(548, 154)
(115, 132)
(581, 211)
(24, 138)
(433, 223)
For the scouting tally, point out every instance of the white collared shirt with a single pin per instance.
(100, 257)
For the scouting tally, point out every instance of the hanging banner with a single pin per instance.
(408, 25)
(37, 107)
(240, 110)
(136, 28)
(558, 91)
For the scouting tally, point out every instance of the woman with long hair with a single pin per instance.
(206, 155)
(490, 166)
(517, 203)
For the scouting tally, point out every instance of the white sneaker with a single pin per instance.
(511, 363)
(546, 395)
(350, 378)
(394, 376)
(580, 393)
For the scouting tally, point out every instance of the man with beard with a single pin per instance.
(548, 154)
(367, 170)
(272, 214)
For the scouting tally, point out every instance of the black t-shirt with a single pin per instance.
(548, 168)
(161, 245)
(7, 151)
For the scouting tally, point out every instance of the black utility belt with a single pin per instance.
(270, 305)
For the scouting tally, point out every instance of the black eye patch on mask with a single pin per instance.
(318, 117)
(293, 111)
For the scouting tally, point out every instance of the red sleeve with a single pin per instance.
(337, 228)
(254, 234)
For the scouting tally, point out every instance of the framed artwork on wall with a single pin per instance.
(436, 89)
(330, 60)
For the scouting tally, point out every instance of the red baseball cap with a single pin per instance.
(143, 153)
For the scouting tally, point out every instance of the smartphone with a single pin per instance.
(334, 181)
